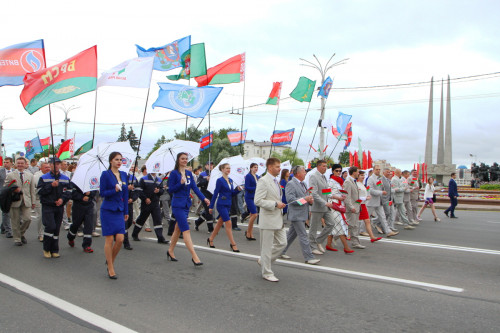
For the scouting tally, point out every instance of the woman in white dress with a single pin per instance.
(428, 195)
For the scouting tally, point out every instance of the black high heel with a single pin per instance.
(112, 277)
(249, 238)
(170, 257)
(233, 248)
(208, 243)
(196, 263)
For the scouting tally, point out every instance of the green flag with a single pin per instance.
(193, 63)
(84, 148)
(304, 90)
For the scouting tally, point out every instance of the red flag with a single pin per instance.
(66, 149)
(350, 159)
(230, 71)
(365, 161)
(370, 161)
(356, 159)
(274, 96)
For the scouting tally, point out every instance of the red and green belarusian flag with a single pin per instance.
(274, 96)
(45, 143)
(326, 191)
(72, 77)
(230, 71)
(66, 150)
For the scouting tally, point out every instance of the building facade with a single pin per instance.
(260, 149)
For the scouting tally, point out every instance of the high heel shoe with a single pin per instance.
(249, 238)
(375, 239)
(232, 248)
(348, 251)
(170, 257)
(329, 248)
(208, 243)
(112, 277)
(196, 263)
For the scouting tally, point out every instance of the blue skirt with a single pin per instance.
(251, 205)
(224, 212)
(112, 222)
(181, 215)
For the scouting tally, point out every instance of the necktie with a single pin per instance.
(277, 184)
(22, 180)
(304, 186)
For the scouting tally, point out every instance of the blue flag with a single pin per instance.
(32, 147)
(17, 60)
(167, 57)
(342, 122)
(192, 101)
(325, 88)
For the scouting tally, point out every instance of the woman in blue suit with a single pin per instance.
(114, 210)
(284, 180)
(250, 185)
(181, 182)
(224, 191)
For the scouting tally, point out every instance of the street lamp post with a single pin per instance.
(1, 133)
(66, 119)
(323, 71)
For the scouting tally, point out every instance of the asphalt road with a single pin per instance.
(441, 277)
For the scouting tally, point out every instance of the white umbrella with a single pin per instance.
(239, 168)
(95, 161)
(260, 162)
(163, 159)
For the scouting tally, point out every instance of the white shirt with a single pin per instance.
(429, 191)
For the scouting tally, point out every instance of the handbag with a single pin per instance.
(338, 208)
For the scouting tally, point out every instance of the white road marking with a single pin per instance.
(493, 222)
(330, 269)
(70, 308)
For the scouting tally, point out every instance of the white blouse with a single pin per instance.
(429, 191)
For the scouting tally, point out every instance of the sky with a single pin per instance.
(385, 42)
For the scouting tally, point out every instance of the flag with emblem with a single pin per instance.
(134, 73)
(324, 91)
(237, 137)
(230, 71)
(304, 90)
(72, 77)
(274, 96)
(281, 138)
(18, 60)
(194, 63)
(33, 147)
(45, 143)
(206, 141)
(191, 101)
(168, 56)
(66, 149)
(84, 148)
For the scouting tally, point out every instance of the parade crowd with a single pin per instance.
(336, 209)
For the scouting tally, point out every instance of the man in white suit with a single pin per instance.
(20, 211)
(268, 196)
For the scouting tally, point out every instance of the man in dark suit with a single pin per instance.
(453, 194)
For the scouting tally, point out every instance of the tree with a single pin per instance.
(286, 155)
(344, 158)
(328, 160)
(132, 139)
(123, 134)
(158, 144)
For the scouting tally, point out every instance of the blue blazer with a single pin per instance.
(452, 188)
(283, 197)
(224, 192)
(180, 192)
(250, 186)
(114, 201)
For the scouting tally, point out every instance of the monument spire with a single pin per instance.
(447, 139)
(440, 154)
(428, 140)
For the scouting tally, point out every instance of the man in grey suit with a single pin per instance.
(268, 196)
(298, 212)
(387, 199)
(321, 209)
(415, 192)
(4, 171)
(20, 211)
(353, 206)
(374, 205)
(407, 197)
(398, 190)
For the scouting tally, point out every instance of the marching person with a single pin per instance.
(398, 190)
(4, 171)
(374, 204)
(202, 183)
(44, 168)
(364, 216)
(223, 195)
(55, 191)
(181, 182)
(285, 173)
(453, 195)
(414, 193)
(82, 212)
(407, 198)
(150, 190)
(133, 194)
(250, 185)
(298, 212)
(272, 229)
(114, 210)
(353, 206)
(20, 211)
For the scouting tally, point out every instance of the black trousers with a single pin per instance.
(51, 219)
(154, 210)
(82, 214)
(129, 222)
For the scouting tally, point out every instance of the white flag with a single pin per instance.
(131, 73)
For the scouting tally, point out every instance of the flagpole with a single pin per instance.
(316, 130)
(142, 127)
(242, 115)
(210, 146)
(275, 121)
(52, 139)
(340, 136)
(297, 146)
(95, 115)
